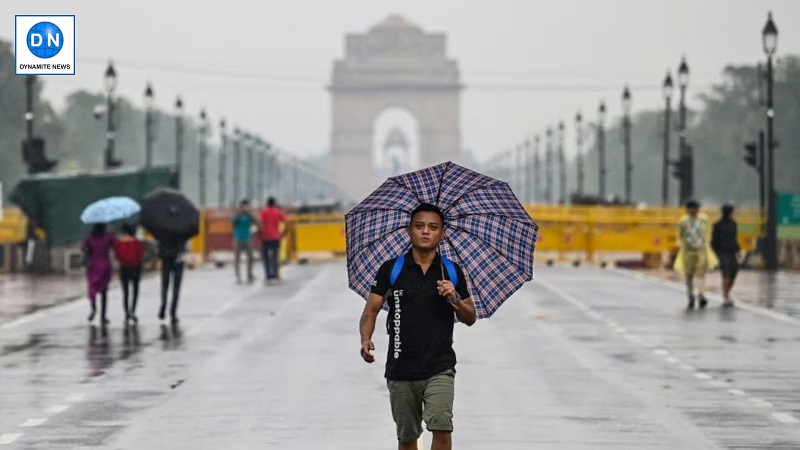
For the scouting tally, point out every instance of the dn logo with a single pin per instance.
(45, 40)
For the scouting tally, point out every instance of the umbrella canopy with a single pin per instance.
(486, 231)
(169, 216)
(110, 209)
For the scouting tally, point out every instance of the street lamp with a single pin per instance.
(203, 131)
(769, 37)
(110, 82)
(237, 163)
(179, 139)
(537, 169)
(562, 165)
(548, 166)
(667, 91)
(248, 148)
(684, 151)
(149, 103)
(223, 162)
(579, 149)
(626, 142)
(601, 147)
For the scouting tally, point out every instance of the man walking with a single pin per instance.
(423, 303)
(725, 244)
(271, 220)
(243, 221)
(695, 257)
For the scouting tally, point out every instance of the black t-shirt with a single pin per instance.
(420, 322)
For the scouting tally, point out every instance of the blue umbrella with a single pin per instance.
(110, 209)
(486, 231)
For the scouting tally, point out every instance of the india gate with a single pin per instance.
(395, 105)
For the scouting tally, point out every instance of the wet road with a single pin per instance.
(579, 359)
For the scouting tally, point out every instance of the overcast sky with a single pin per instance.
(264, 64)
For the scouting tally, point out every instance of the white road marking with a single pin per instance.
(8, 438)
(688, 368)
(672, 360)
(55, 409)
(32, 423)
(736, 392)
(785, 418)
(760, 402)
(661, 352)
(703, 376)
(75, 397)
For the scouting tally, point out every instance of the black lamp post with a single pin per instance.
(237, 164)
(548, 166)
(562, 166)
(223, 162)
(601, 147)
(259, 143)
(769, 36)
(667, 91)
(247, 142)
(149, 104)
(179, 139)
(110, 81)
(626, 142)
(203, 156)
(579, 150)
(684, 153)
(537, 169)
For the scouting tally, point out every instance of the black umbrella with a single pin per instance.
(169, 216)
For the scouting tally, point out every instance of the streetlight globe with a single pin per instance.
(769, 36)
(601, 112)
(110, 78)
(578, 117)
(149, 97)
(179, 105)
(683, 74)
(222, 124)
(668, 87)
(626, 100)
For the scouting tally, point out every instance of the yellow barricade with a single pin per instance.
(13, 226)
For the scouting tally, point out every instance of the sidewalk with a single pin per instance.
(778, 291)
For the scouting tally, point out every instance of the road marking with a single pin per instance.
(672, 360)
(75, 397)
(32, 423)
(8, 438)
(703, 376)
(760, 402)
(736, 392)
(785, 418)
(661, 352)
(688, 368)
(55, 409)
(620, 330)
(22, 320)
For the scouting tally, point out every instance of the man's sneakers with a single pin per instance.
(703, 302)
(691, 302)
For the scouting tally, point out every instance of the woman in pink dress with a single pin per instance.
(97, 249)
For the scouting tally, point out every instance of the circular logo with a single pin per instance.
(45, 40)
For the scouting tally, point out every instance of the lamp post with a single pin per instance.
(149, 104)
(248, 148)
(179, 139)
(237, 164)
(562, 166)
(548, 166)
(537, 169)
(769, 36)
(261, 168)
(626, 142)
(684, 151)
(667, 92)
(203, 156)
(579, 150)
(30, 81)
(110, 81)
(223, 162)
(601, 148)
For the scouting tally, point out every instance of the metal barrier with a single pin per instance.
(13, 226)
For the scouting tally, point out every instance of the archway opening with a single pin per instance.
(395, 143)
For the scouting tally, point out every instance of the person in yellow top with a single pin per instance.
(695, 256)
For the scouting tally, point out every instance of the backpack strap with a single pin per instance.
(398, 266)
(452, 274)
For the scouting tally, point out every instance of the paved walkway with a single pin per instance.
(579, 359)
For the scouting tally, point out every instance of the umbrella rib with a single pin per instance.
(470, 192)
(379, 238)
(419, 200)
(488, 244)
(351, 213)
(441, 181)
(529, 222)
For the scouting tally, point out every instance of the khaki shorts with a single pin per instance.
(430, 400)
(695, 262)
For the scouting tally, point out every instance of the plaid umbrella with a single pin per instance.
(486, 231)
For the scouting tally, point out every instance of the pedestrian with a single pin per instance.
(695, 257)
(243, 222)
(724, 241)
(171, 252)
(272, 218)
(129, 253)
(423, 303)
(97, 254)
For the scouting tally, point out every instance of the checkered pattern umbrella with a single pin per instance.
(486, 231)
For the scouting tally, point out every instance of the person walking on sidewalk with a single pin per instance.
(695, 257)
(97, 253)
(724, 241)
(129, 253)
(271, 220)
(243, 221)
(171, 253)
(423, 303)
